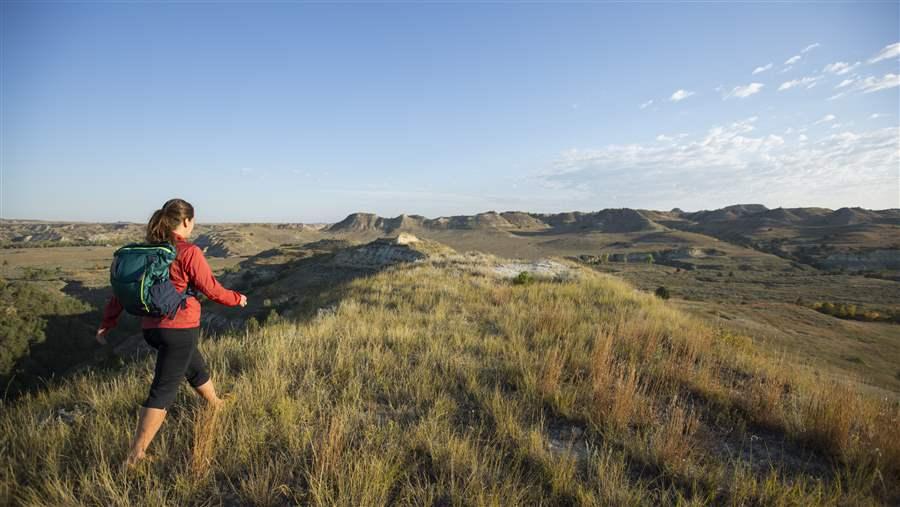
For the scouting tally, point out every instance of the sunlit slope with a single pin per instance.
(437, 382)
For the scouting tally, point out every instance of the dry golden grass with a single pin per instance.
(435, 383)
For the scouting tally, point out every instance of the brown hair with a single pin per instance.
(167, 218)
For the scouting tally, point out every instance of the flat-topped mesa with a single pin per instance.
(356, 222)
(403, 221)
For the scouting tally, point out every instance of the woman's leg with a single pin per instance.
(197, 375)
(208, 391)
(148, 424)
(174, 348)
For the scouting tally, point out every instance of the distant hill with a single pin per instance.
(218, 240)
(608, 220)
(816, 236)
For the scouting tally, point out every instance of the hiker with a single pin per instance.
(175, 339)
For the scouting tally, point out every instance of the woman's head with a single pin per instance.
(175, 213)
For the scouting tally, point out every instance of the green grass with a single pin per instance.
(436, 383)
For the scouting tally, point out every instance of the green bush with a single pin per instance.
(523, 278)
(662, 292)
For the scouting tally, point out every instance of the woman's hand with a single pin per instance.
(243, 300)
(101, 335)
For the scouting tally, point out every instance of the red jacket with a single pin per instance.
(189, 266)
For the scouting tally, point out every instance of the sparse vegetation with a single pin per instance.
(435, 384)
(853, 312)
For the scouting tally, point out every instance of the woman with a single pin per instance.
(174, 339)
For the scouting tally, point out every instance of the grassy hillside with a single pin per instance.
(439, 383)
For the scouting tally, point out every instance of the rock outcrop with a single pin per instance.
(385, 251)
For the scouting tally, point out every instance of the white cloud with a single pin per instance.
(874, 84)
(810, 47)
(867, 85)
(680, 95)
(845, 83)
(734, 164)
(840, 68)
(875, 116)
(825, 119)
(889, 51)
(762, 69)
(647, 104)
(664, 138)
(743, 92)
(792, 60)
(808, 81)
(789, 67)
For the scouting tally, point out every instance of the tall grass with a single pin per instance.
(438, 383)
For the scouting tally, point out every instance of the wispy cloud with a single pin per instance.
(743, 92)
(845, 83)
(874, 84)
(680, 95)
(840, 68)
(889, 51)
(762, 68)
(808, 81)
(792, 60)
(810, 47)
(875, 116)
(869, 84)
(825, 119)
(734, 163)
(647, 104)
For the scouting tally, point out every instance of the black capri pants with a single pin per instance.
(177, 358)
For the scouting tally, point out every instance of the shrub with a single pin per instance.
(662, 292)
(523, 278)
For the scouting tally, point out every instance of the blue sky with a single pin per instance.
(309, 112)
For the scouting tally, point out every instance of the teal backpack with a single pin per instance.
(139, 275)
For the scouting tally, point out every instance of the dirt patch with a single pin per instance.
(542, 268)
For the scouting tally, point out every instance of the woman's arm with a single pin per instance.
(110, 318)
(201, 277)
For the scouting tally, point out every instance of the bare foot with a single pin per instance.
(219, 403)
(133, 460)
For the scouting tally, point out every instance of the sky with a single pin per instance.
(290, 112)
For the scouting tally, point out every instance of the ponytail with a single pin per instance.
(166, 219)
